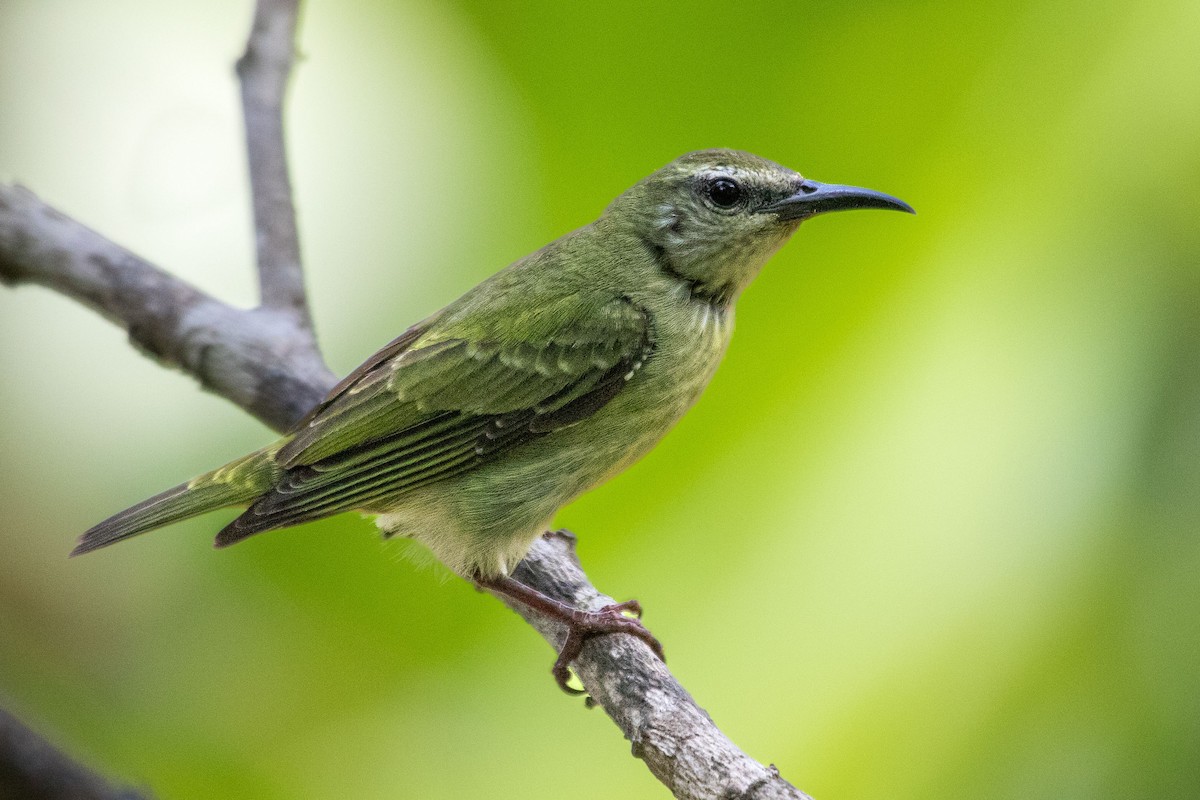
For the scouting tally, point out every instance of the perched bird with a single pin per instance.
(473, 427)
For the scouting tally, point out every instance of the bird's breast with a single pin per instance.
(689, 344)
(690, 340)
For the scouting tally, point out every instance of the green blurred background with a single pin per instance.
(932, 532)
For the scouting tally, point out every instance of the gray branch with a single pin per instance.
(266, 361)
(263, 72)
(676, 738)
(263, 359)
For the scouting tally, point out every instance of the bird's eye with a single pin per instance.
(724, 192)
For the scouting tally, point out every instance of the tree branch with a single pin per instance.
(263, 359)
(676, 738)
(266, 361)
(263, 72)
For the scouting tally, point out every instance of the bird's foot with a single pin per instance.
(581, 625)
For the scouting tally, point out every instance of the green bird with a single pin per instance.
(471, 429)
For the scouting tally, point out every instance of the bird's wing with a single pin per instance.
(380, 360)
(431, 407)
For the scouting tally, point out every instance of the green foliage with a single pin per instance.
(930, 534)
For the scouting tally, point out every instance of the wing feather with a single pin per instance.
(421, 412)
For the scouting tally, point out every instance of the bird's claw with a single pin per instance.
(630, 606)
(585, 624)
(581, 625)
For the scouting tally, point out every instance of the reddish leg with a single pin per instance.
(581, 625)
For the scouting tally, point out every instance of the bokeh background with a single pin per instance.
(931, 533)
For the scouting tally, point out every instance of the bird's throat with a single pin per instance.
(700, 291)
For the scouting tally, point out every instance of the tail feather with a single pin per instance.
(237, 483)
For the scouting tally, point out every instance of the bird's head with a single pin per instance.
(712, 218)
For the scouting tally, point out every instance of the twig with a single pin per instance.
(261, 359)
(266, 361)
(676, 738)
(263, 72)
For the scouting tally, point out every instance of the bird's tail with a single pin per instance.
(236, 483)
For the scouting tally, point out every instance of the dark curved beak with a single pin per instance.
(814, 198)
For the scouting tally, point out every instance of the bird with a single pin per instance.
(471, 429)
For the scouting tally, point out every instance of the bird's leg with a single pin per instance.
(581, 625)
